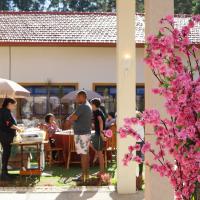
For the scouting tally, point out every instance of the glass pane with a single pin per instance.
(40, 105)
(113, 91)
(27, 107)
(37, 90)
(54, 105)
(109, 94)
(140, 98)
(68, 89)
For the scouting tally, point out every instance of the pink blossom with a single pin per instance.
(182, 98)
(179, 86)
(170, 19)
(196, 18)
(194, 48)
(128, 121)
(185, 31)
(198, 178)
(123, 132)
(134, 120)
(151, 116)
(156, 91)
(146, 147)
(151, 38)
(137, 159)
(131, 148)
(137, 147)
(191, 24)
(108, 133)
(131, 132)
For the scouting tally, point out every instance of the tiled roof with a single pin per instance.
(23, 28)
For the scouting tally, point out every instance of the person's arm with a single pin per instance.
(10, 122)
(16, 128)
(72, 118)
(101, 128)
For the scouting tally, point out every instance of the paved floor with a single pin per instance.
(100, 195)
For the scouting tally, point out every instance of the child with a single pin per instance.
(98, 138)
(51, 127)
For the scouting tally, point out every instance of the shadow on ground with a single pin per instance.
(99, 196)
(71, 196)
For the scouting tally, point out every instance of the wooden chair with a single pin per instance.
(111, 145)
(71, 150)
(49, 155)
(49, 151)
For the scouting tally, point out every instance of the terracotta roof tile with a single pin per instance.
(69, 28)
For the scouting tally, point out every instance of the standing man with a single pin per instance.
(82, 123)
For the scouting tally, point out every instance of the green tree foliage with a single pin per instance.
(82, 5)
(29, 5)
(183, 6)
(4, 5)
(106, 5)
(140, 6)
(58, 5)
(196, 6)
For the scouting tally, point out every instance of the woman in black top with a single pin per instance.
(98, 138)
(8, 128)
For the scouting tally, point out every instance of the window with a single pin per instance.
(140, 92)
(109, 92)
(45, 99)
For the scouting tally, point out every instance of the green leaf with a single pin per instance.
(159, 34)
(179, 127)
(165, 85)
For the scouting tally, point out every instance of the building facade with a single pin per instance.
(52, 54)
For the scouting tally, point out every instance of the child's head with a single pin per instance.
(96, 103)
(49, 118)
(111, 115)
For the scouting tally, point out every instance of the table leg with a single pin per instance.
(1, 151)
(65, 149)
(38, 156)
(42, 157)
(22, 155)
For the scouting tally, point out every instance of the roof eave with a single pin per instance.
(65, 44)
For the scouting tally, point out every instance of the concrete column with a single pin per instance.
(126, 75)
(156, 188)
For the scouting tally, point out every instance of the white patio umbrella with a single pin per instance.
(72, 96)
(9, 88)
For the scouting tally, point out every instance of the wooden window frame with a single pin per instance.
(52, 84)
(94, 85)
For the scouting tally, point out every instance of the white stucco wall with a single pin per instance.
(83, 65)
(4, 62)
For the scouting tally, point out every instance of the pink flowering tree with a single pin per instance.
(177, 135)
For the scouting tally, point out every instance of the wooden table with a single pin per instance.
(40, 157)
(62, 140)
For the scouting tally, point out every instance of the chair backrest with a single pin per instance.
(71, 144)
(43, 127)
(112, 142)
